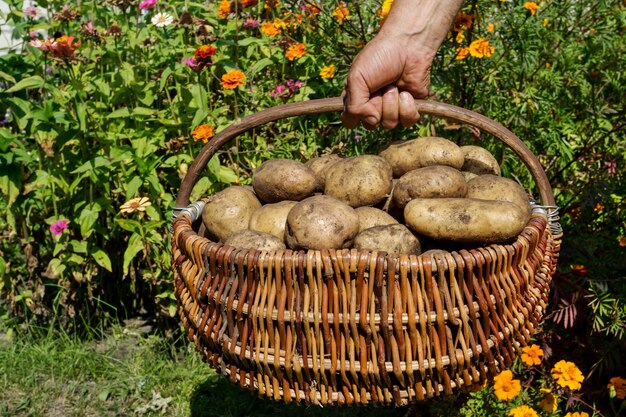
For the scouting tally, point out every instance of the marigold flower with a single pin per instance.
(233, 79)
(491, 27)
(328, 71)
(532, 7)
(461, 53)
(579, 270)
(161, 20)
(204, 132)
(205, 52)
(135, 204)
(59, 227)
(295, 51)
(384, 9)
(506, 388)
(64, 47)
(548, 402)
(577, 414)
(621, 240)
(523, 411)
(460, 37)
(568, 375)
(532, 355)
(270, 29)
(619, 384)
(314, 9)
(546, 22)
(341, 13)
(480, 48)
(224, 9)
(462, 21)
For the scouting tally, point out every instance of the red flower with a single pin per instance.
(64, 47)
(204, 52)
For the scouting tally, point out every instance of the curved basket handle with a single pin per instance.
(335, 104)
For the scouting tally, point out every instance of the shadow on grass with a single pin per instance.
(217, 396)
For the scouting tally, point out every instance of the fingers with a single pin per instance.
(390, 108)
(407, 111)
(359, 104)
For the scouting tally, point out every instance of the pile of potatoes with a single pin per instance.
(416, 194)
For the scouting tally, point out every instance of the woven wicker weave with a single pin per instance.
(361, 327)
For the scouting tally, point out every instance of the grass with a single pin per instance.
(128, 372)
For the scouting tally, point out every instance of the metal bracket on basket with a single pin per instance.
(552, 213)
(194, 211)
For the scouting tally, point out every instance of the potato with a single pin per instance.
(321, 222)
(283, 179)
(422, 152)
(394, 238)
(320, 166)
(229, 211)
(465, 219)
(370, 217)
(468, 175)
(359, 181)
(250, 239)
(479, 161)
(271, 218)
(492, 187)
(437, 181)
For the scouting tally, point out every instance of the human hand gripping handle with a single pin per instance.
(394, 67)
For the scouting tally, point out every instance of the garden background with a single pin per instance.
(103, 105)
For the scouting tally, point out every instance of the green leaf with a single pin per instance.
(123, 112)
(87, 220)
(31, 82)
(164, 77)
(78, 247)
(6, 137)
(3, 270)
(56, 266)
(200, 189)
(7, 77)
(128, 224)
(143, 111)
(135, 245)
(102, 259)
(133, 186)
(91, 165)
(127, 72)
(259, 65)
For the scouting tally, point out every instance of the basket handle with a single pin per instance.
(335, 104)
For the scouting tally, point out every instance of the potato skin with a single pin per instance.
(422, 152)
(271, 218)
(283, 179)
(229, 211)
(321, 222)
(393, 238)
(359, 181)
(437, 181)
(465, 219)
(492, 187)
(371, 216)
(320, 166)
(250, 239)
(479, 161)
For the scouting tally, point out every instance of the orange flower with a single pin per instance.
(621, 240)
(270, 29)
(295, 51)
(341, 12)
(506, 388)
(580, 270)
(523, 411)
(491, 27)
(384, 9)
(568, 375)
(271, 4)
(460, 37)
(461, 53)
(64, 47)
(481, 48)
(328, 71)
(224, 9)
(249, 3)
(598, 207)
(203, 132)
(205, 52)
(463, 21)
(619, 384)
(548, 402)
(577, 414)
(532, 355)
(532, 7)
(233, 79)
(314, 9)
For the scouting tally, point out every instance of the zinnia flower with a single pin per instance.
(135, 204)
(147, 4)
(481, 48)
(384, 8)
(203, 132)
(568, 375)
(523, 411)
(224, 9)
(341, 12)
(249, 3)
(619, 384)
(58, 227)
(461, 53)
(548, 402)
(64, 47)
(577, 414)
(491, 27)
(328, 71)
(621, 240)
(204, 52)
(270, 29)
(233, 79)
(532, 355)
(462, 21)
(251, 23)
(532, 7)
(295, 51)
(31, 12)
(506, 388)
(161, 20)
(271, 4)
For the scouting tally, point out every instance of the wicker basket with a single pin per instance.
(355, 326)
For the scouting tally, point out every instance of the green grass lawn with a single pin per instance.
(132, 373)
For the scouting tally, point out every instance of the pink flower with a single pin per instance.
(31, 12)
(58, 227)
(611, 167)
(147, 4)
(251, 23)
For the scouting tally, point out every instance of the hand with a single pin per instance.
(384, 79)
